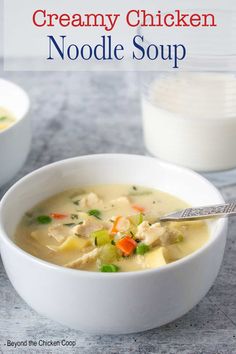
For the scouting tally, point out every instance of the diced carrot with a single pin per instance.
(58, 216)
(138, 208)
(114, 228)
(127, 245)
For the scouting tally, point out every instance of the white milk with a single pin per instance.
(190, 119)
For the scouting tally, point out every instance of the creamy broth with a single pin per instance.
(6, 119)
(109, 228)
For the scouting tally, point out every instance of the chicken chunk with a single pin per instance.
(59, 232)
(84, 259)
(151, 235)
(91, 200)
(87, 227)
(120, 201)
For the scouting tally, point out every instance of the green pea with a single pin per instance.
(142, 249)
(44, 219)
(109, 268)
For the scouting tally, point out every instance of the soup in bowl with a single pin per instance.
(109, 228)
(52, 226)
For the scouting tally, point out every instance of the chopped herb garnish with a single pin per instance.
(109, 268)
(3, 118)
(44, 219)
(135, 188)
(95, 241)
(113, 242)
(74, 216)
(76, 202)
(70, 224)
(80, 223)
(142, 249)
(95, 212)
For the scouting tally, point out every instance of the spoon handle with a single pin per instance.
(206, 212)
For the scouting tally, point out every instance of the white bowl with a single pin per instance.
(15, 140)
(102, 302)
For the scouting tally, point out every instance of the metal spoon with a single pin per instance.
(198, 213)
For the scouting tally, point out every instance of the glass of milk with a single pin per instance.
(189, 118)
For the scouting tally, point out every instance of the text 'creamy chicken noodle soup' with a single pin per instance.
(109, 228)
(6, 119)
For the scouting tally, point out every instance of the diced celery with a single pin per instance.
(136, 219)
(108, 253)
(140, 219)
(100, 237)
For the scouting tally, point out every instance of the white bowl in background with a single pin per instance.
(107, 302)
(15, 140)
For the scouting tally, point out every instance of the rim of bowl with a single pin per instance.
(222, 223)
(27, 104)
